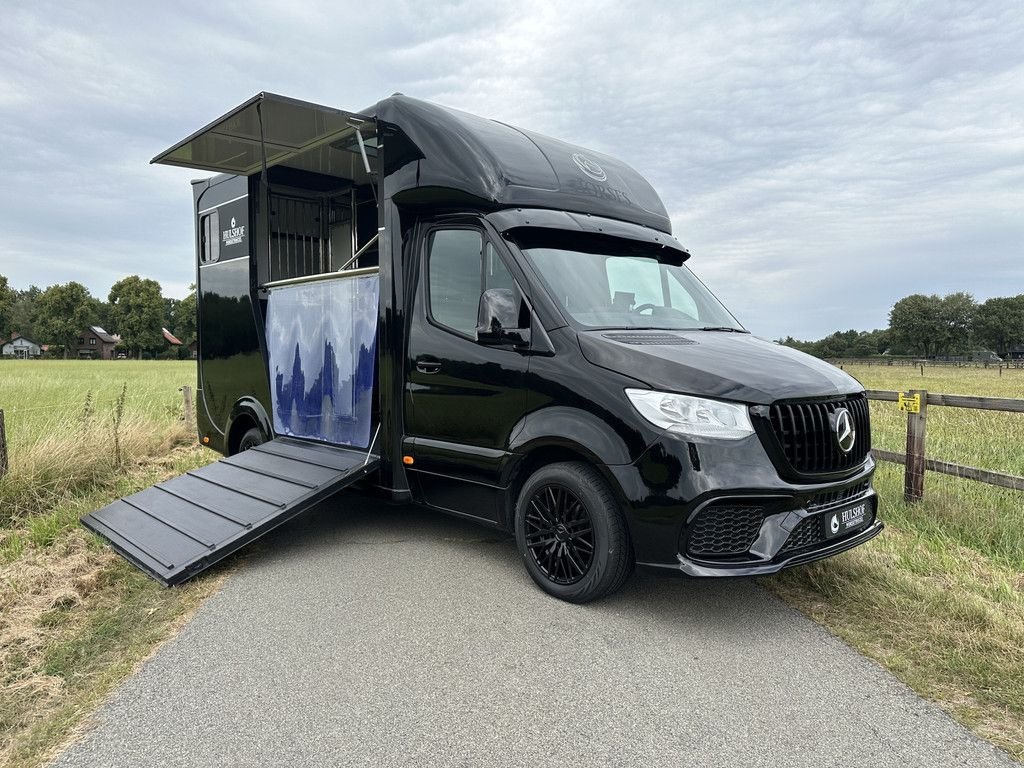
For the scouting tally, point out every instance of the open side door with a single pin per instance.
(179, 528)
(297, 134)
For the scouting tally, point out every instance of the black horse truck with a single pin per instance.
(495, 324)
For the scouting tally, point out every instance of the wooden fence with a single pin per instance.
(916, 403)
(911, 362)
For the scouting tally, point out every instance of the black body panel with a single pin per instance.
(178, 528)
(503, 166)
(730, 366)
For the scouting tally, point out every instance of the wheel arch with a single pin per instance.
(543, 452)
(246, 413)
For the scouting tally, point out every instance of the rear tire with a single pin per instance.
(571, 533)
(251, 439)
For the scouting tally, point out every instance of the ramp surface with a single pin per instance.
(178, 528)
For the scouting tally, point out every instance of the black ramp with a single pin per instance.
(178, 528)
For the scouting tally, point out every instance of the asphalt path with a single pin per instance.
(376, 635)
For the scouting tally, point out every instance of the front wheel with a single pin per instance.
(571, 534)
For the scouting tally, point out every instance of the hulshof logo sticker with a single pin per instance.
(834, 524)
(234, 235)
(589, 167)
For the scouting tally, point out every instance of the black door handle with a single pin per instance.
(426, 365)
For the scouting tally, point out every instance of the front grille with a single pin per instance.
(829, 498)
(724, 530)
(806, 534)
(804, 433)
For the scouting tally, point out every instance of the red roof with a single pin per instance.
(171, 337)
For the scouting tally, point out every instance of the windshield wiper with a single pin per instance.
(726, 328)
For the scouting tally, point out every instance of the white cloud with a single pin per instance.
(820, 161)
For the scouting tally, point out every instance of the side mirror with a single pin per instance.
(497, 319)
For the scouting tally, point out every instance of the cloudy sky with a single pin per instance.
(819, 160)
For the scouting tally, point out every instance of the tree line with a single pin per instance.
(954, 325)
(135, 309)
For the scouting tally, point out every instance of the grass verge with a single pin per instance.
(937, 599)
(76, 618)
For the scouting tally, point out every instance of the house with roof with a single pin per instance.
(94, 343)
(20, 348)
(170, 338)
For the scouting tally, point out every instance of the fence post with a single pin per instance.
(913, 478)
(3, 445)
(186, 393)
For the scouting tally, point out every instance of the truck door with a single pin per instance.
(463, 399)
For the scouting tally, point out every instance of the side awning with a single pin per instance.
(295, 133)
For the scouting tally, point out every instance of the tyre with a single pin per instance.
(571, 533)
(250, 439)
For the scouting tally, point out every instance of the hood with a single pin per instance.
(729, 366)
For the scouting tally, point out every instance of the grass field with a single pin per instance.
(938, 598)
(74, 618)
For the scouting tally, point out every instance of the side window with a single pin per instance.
(209, 245)
(454, 268)
(460, 267)
(496, 274)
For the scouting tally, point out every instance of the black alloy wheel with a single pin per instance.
(571, 533)
(559, 534)
(251, 439)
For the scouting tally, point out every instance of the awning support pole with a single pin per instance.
(359, 253)
(264, 181)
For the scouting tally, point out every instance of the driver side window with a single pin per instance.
(461, 265)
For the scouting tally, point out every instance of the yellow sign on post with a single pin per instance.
(909, 403)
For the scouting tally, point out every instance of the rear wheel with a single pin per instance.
(571, 534)
(250, 439)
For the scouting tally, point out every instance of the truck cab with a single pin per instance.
(507, 329)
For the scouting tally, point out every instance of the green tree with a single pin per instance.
(63, 312)
(185, 318)
(25, 313)
(916, 324)
(137, 313)
(7, 299)
(956, 315)
(999, 324)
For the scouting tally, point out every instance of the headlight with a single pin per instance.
(697, 416)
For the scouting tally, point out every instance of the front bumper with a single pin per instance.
(686, 504)
(694, 568)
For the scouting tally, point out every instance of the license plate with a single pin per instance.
(844, 520)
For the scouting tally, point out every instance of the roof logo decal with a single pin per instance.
(589, 167)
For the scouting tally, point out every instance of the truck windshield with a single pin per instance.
(612, 283)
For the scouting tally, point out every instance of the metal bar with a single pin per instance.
(1001, 479)
(211, 510)
(362, 151)
(267, 473)
(322, 276)
(360, 252)
(353, 235)
(197, 476)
